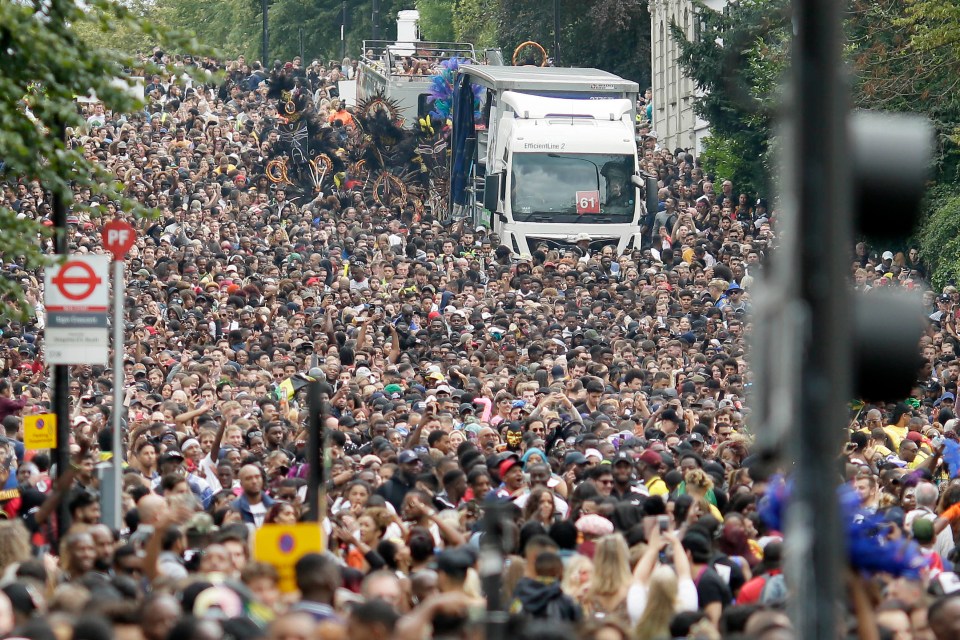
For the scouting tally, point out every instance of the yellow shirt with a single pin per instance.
(897, 434)
(656, 486)
(921, 456)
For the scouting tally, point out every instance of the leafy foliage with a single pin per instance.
(476, 21)
(940, 237)
(436, 20)
(233, 26)
(613, 35)
(927, 65)
(45, 65)
(737, 63)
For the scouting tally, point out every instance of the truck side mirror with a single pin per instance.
(652, 194)
(637, 181)
(491, 191)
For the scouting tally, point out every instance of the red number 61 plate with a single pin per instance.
(588, 202)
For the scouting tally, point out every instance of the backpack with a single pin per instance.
(774, 590)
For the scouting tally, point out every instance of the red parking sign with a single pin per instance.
(118, 237)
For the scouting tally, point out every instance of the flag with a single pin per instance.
(289, 387)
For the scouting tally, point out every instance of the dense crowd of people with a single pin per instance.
(596, 402)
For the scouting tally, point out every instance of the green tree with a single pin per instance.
(125, 36)
(737, 62)
(436, 20)
(45, 66)
(613, 35)
(233, 26)
(939, 237)
(928, 72)
(475, 21)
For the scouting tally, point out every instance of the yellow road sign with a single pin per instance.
(40, 431)
(283, 544)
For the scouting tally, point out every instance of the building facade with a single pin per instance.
(674, 120)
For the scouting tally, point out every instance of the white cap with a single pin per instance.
(582, 236)
(887, 255)
(593, 453)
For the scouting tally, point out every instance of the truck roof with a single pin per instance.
(549, 78)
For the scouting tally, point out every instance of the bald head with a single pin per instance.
(151, 508)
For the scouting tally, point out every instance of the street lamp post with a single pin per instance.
(556, 33)
(264, 7)
(343, 31)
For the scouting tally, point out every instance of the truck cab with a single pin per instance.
(554, 156)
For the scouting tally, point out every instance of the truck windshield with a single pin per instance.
(586, 188)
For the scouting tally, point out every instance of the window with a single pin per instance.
(544, 187)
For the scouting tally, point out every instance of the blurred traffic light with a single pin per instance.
(891, 156)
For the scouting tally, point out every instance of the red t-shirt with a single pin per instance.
(751, 591)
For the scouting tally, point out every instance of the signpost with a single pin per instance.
(118, 237)
(40, 431)
(76, 296)
(283, 544)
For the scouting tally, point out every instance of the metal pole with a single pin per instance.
(376, 19)
(61, 373)
(300, 36)
(118, 393)
(820, 198)
(343, 31)
(491, 569)
(264, 8)
(556, 33)
(316, 460)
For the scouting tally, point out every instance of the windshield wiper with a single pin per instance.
(539, 217)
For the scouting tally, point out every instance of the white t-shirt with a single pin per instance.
(209, 468)
(687, 599)
(259, 512)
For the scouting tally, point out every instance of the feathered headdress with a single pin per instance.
(951, 455)
(441, 90)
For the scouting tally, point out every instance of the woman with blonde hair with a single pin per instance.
(607, 593)
(698, 483)
(658, 591)
(577, 574)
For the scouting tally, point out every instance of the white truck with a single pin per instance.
(551, 155)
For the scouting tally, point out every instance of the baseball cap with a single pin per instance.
(407, 456)
(171, 456)
(393, 390)
(622, 456)
(887, 255)
(651, 458)
(506, 465)
(574, 457)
